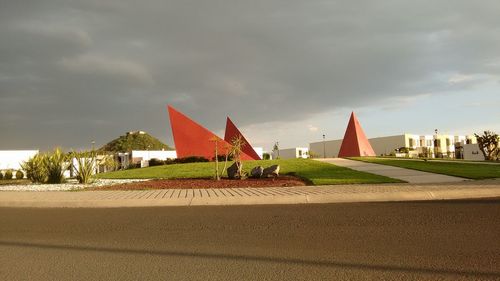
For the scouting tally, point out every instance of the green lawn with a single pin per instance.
(458, 169)
(314, 172)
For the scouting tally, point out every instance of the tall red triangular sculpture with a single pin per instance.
(232, 132)
(355, 143)
(192, 139)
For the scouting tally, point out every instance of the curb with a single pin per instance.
(398, 196)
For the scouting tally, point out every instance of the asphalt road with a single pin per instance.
(457, 240)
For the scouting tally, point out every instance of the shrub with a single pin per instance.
(133, 166)
(190, 159)
(156, 162)
(19, 175)
(35, 168)
(86, 164)
(55, 166)
(1, 175)
(8, 175)
(222, 158)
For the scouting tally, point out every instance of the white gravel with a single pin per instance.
(71, 184)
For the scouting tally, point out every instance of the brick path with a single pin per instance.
(250, 196)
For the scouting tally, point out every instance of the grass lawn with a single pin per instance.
(458, 169)
(314, 172)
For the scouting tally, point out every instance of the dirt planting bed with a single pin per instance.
(281, 181)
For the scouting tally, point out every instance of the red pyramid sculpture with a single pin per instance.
(192, 139)
(355, 142)
(232, 132)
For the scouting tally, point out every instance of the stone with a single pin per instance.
(232, 171)
(272, 171)
(257, 172)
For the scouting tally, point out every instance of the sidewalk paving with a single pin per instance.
(408, 175)
(252, 196)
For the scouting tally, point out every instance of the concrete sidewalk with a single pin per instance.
(408, 175)
(251, 196)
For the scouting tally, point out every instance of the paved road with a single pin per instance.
(408, 175)
(356, 241)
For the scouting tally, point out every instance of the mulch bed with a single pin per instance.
(281, 181)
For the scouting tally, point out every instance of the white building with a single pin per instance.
(472, 152)
(143, 157)
(411, 145)
(289, 153)
(259, 151)
(326, 149)
(12, 159)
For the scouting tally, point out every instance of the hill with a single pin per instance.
(137, 140)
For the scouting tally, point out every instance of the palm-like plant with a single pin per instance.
(56, 164)
(86, 162)
(35, 168)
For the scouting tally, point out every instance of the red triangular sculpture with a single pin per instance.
(355, 142)
(232, 132)
(192, 139)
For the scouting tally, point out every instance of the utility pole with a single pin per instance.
(324, 147)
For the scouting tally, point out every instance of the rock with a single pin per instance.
(232, 171)
(272, 171)
(257, 172)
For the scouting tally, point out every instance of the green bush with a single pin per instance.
(19, 175)
(35, 168)
(8, 175)
(190, 159)
(55, 164)
(156, 162)
(1, 175)
(86, 164)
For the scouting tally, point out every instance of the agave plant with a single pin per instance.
(56, 165)
(85, 166)
(35, 168)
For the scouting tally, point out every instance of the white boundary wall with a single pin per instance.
(12, 159)
(158, 154)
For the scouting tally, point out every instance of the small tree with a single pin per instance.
(276, 150)
(215, 140)
(227, 155)
(488, 144)
(237, 144)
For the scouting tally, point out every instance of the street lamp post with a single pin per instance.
(324, 147)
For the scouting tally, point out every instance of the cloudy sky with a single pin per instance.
(288, 71)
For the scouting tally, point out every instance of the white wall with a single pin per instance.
(12, 159)
(158, 154)
(290, 153)
(472, 152)
(331, 148)
(259, 151)
(387, 145)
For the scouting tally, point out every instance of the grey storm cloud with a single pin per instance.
(72, 71)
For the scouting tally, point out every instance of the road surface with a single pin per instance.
(454, 240)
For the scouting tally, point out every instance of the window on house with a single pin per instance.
(411, 142)
(300, 153)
